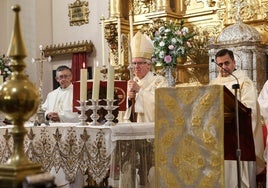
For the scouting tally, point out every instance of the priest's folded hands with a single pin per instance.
(53, 117)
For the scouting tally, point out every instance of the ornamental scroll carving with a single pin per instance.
(68, 48)
(78, 13)
(206, 17)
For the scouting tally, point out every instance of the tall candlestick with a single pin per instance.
(103, 40)
(119, 40)
(110, 83)
(130, 25)
(96, 83)
(83, 84)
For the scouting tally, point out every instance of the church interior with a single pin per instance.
(192, 141)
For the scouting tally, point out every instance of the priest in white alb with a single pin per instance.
(247, 94)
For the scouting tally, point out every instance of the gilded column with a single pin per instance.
(114, 8)
(162, 5)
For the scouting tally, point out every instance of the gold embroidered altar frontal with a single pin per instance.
(189, 137)
(64, 147)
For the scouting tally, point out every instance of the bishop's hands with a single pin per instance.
(132, 89)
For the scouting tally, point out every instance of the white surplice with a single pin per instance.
(61, 101)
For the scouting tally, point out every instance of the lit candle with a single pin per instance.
(130, 25)
(119, 40)
(83, 84)
(110, 83)
(103, 40)
(96, 83)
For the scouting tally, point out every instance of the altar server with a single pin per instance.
(59, 102)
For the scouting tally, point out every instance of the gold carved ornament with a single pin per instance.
(78, 13)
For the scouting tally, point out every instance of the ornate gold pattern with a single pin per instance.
(188, 95)
(169, 178)
(70, 148)
(206, 17)
(143, 7)
(168, 138)
(182, 155)
(63, 49)
(78, 13)
(189, 160)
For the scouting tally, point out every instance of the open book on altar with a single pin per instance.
(120, 88)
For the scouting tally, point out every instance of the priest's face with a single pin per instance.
(64, 78)
(140, 67)
(226, 65)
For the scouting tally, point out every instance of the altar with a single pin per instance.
(74, 154)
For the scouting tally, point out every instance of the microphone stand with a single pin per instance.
(238, 150)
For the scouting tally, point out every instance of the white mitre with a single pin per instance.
(142, 46)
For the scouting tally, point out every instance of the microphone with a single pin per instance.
(234, 86)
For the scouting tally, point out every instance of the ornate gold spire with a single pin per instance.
(19, 99)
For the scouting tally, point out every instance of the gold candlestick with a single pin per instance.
(19, 100)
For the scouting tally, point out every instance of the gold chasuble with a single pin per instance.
(189, 143)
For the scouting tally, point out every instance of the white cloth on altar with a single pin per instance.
(50, 146)
(132, 131)
(145, 98)
(61, 181)
(61, 101)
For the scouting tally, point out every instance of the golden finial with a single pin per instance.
(16, 46)
(19, 100)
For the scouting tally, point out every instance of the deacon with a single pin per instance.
(141, 90)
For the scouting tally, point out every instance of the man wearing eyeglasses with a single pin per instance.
(59, 102)
(141, 98)
(142, 87)
(247, 94)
